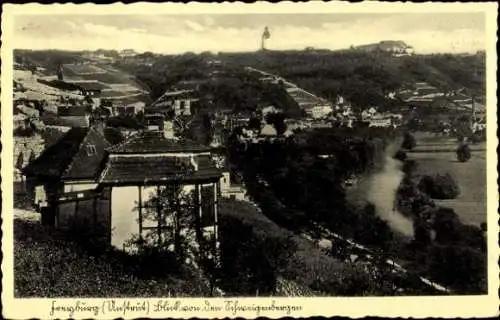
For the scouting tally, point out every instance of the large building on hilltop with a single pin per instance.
(127, 53)
(397, 48)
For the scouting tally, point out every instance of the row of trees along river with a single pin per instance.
(305, 183)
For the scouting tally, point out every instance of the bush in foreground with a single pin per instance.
(400, 155)
(463, 153)
(461, 268)
(409, 142)
(439, 187)
(45, 267)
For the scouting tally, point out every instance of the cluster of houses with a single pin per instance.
(104, 57)
(65, 102)
(379, 119)
(86, 178)
(121, 179)
(425, 94)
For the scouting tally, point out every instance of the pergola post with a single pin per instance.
(216, 252)
(198, 213)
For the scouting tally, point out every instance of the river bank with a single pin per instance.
(433, 155)
(445, 242)
(379, 187)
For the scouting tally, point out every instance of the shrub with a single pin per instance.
(446, 223)
(409, 142)
(439, 187)
(409, 167)
(251, 260)
(400, 155)
(445, 187)
(463, 153)
(484, 227)
(369, 209)
(373, 231)
(422, 233)
(45, 266)
(461, 268)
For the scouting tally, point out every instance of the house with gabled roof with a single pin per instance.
(126, 186)
(139, 171)
(71, 164)
(179, 101)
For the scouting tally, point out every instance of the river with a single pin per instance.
(380, 189)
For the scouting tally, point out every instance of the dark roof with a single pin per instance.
(147, 169)
(155, 142)
(90, 85)
(69, 157)
(113, 135)
(175, 95)
(72, 111)
(204, 161)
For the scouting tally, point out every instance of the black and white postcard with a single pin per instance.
(249, 160)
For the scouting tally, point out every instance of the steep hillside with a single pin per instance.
(362, 77)
(367, 77)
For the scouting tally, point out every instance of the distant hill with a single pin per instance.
(362, 76)
(367, 77)
(49, 59)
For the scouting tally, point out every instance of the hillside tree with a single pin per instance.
(409, 142)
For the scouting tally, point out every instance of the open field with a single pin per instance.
(81, 69)
(105, 74)
(121, 85)
(434, 158)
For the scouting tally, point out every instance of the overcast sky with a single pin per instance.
(426, 32)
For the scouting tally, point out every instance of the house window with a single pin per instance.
(91, 150)
(158, 208)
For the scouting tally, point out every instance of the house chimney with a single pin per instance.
(168, 129)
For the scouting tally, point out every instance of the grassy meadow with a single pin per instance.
(434, 155)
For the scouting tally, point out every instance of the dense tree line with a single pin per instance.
(49, 59)
(464, 71)
(302, 187)
(443, 248)
(293, 186)
(366, 78)
(250, 262)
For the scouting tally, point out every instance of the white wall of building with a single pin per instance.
(125, 213)
(237, 193)
(225, 181)
(73, 186)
